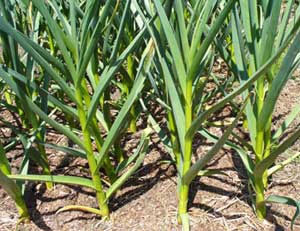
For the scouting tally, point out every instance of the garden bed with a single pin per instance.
(149, 115)
(148, 202)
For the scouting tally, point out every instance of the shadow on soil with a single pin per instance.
(144, 180)
(139, 183)
(31, 199)
(243, 195)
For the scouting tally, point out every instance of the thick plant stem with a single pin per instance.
(260, 197)
(132, 74)
(260, 148)
(100, 195)
(132, 125)
(46, 169)
(15, 193)
(22, 210)
(183, 201)
(184, 189)
(259, 183)
(8, 97)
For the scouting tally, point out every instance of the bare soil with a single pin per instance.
(148, 200)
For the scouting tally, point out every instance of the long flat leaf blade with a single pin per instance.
(73, 180)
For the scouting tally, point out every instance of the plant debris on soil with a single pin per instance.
(148, 200)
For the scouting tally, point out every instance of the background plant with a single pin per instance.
(82, 55)
(258, 31)
(30, 127)
(184, 35)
